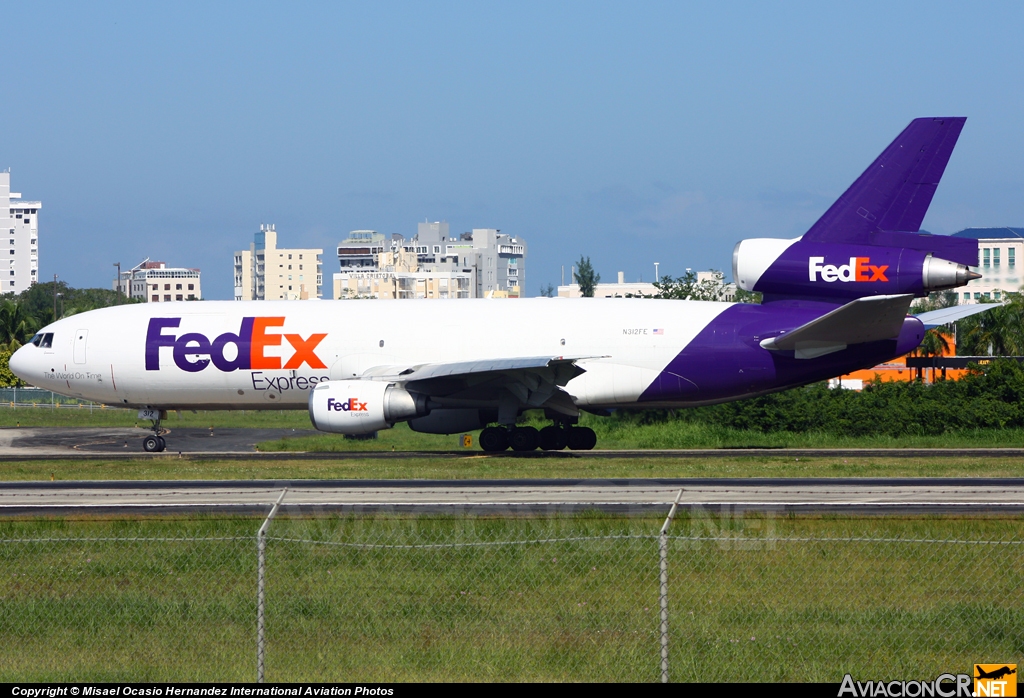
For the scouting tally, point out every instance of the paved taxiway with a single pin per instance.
(903, 495)
(121, 443)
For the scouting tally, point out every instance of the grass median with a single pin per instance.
(505, 467)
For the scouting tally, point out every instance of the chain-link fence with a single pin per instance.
(378, 598)
(36, 398)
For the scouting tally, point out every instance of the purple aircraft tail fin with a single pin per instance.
(869, 242)
(893, 194)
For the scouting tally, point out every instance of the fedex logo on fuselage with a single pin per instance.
(859, 269)
(350, 405)
(193, 351)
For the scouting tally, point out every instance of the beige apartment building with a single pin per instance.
(266, 272)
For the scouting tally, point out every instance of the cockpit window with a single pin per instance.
(47, 341)
(36, 340)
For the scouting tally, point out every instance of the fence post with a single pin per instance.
(663, 551)
(261, 546)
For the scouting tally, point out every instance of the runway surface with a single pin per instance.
(120, 443)
(889, 496)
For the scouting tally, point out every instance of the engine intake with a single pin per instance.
(362, 406)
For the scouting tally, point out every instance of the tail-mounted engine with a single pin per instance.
(796, 268)
(362, 406)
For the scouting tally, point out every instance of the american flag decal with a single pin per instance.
(659, 331)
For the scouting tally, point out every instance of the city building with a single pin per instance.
(155, 282)
(483, 263)
(396, 274)
(360, 249)
(639, 289)
(19, 223)
(1000, 254)
(266, 272)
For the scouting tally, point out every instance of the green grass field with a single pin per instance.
(550, 599)
(501, 467)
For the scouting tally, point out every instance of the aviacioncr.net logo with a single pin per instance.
(945, 686)
(859, 269)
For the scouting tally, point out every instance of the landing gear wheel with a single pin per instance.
(163, 444)
(151, 444)
(552, 438)
(494, 439)
(582, 438)
(524, 439)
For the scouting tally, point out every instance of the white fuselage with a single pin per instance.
(101, 355)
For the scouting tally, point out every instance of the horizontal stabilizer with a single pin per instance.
(864, 320)
(894, 193)
(944, 316)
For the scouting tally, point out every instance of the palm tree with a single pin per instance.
(934, 344)
(16, 325)
(997, 332)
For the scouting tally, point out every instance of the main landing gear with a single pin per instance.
(154, 443)
(552, 438)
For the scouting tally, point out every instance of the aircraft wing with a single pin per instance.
(944, 316)
(534, 381)
(864, 320)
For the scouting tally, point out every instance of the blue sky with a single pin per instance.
(628, 132)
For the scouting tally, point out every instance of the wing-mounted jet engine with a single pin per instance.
(362, 406)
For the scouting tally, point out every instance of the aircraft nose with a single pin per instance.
(21, 364)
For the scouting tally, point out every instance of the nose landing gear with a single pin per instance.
(154, 443)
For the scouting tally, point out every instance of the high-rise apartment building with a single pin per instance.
(265, 272)
(19, 227)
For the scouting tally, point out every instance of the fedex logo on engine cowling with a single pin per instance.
(859, 269)
(350, 405)
(193, 351)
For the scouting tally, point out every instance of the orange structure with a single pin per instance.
(897, 370)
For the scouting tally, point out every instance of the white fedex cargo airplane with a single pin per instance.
(835, 300)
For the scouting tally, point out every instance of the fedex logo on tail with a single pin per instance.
(859, 269)
(350, 405)
(194, 351)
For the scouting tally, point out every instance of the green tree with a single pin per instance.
(547, 291)
(7, 378)
(752, 297)
(688, 288)
(934, 343)
(586, 277)
(996, 332)
(936, 300)
(16, 325)
(38, 300)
